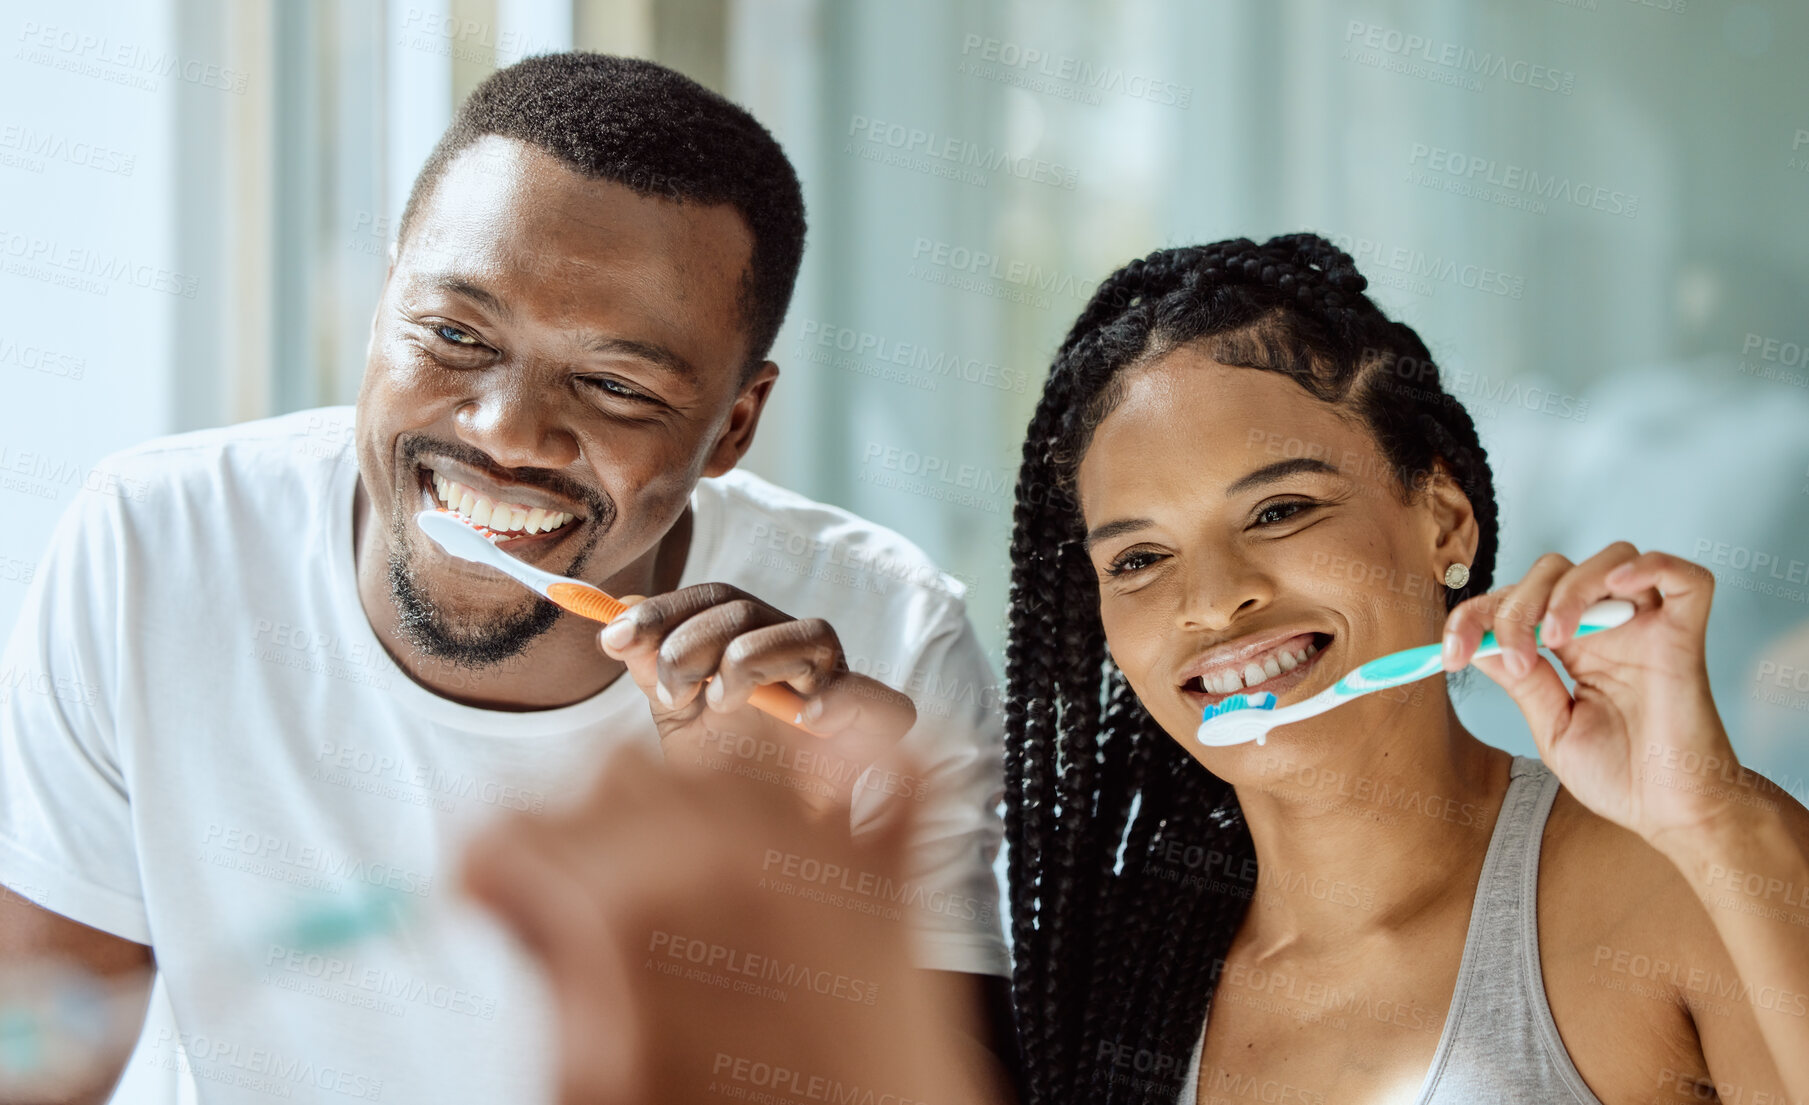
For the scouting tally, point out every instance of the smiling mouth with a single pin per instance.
(1277, 670)
(497, 519)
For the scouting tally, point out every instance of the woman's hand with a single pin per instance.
(693, 958)
(673, 643)
(1638, 741)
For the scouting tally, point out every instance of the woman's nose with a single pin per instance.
(1217, 590)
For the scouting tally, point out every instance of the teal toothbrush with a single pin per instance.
(1249, 717)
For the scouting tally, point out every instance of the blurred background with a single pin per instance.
(1596, 212)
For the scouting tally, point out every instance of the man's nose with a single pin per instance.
(517, 424)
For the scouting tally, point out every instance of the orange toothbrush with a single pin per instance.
(465, 542)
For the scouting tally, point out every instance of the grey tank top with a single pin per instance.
(1499, 1043)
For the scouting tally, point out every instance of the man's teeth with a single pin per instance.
(495, 516)
(1257, 671)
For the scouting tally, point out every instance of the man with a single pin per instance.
(294, 708)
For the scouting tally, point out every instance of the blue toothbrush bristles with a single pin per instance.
(1261, 700)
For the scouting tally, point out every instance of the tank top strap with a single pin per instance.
(1499, 1042)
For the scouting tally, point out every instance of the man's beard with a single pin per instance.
(471, 644)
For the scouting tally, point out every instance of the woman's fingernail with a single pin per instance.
(813, 709)
(1519, 663)
(665, 696)
(1450, 657)
(713, 693)
(1549, 633)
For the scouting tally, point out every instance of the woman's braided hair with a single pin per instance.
(1130, 865)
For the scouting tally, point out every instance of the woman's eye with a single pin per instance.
(454, 335)
(1131, 561)
(1279, 512)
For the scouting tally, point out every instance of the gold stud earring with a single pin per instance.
(1457, 575)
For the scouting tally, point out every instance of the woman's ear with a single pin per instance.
(1455, 531)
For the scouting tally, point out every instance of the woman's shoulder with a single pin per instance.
(1630, 960)
(1606, 890)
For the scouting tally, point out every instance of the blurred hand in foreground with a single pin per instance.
(693, 956)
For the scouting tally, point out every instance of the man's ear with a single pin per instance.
(1456, 533)
(744, 416)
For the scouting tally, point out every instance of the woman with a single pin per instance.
(1242, 474)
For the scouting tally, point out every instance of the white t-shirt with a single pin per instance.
(202, 740)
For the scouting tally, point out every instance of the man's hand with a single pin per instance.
(699, 652)
(688, 967)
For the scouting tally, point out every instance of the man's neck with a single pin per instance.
(561, 667)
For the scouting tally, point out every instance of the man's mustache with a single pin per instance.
(599, 508)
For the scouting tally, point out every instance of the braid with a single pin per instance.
(1117, 943)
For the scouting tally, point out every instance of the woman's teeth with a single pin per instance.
(1257, 671)
(494, 516)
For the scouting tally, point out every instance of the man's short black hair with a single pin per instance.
(657, 132)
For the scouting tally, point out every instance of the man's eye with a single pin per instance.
(1130, 561)
(614, 387)
(454, 335)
